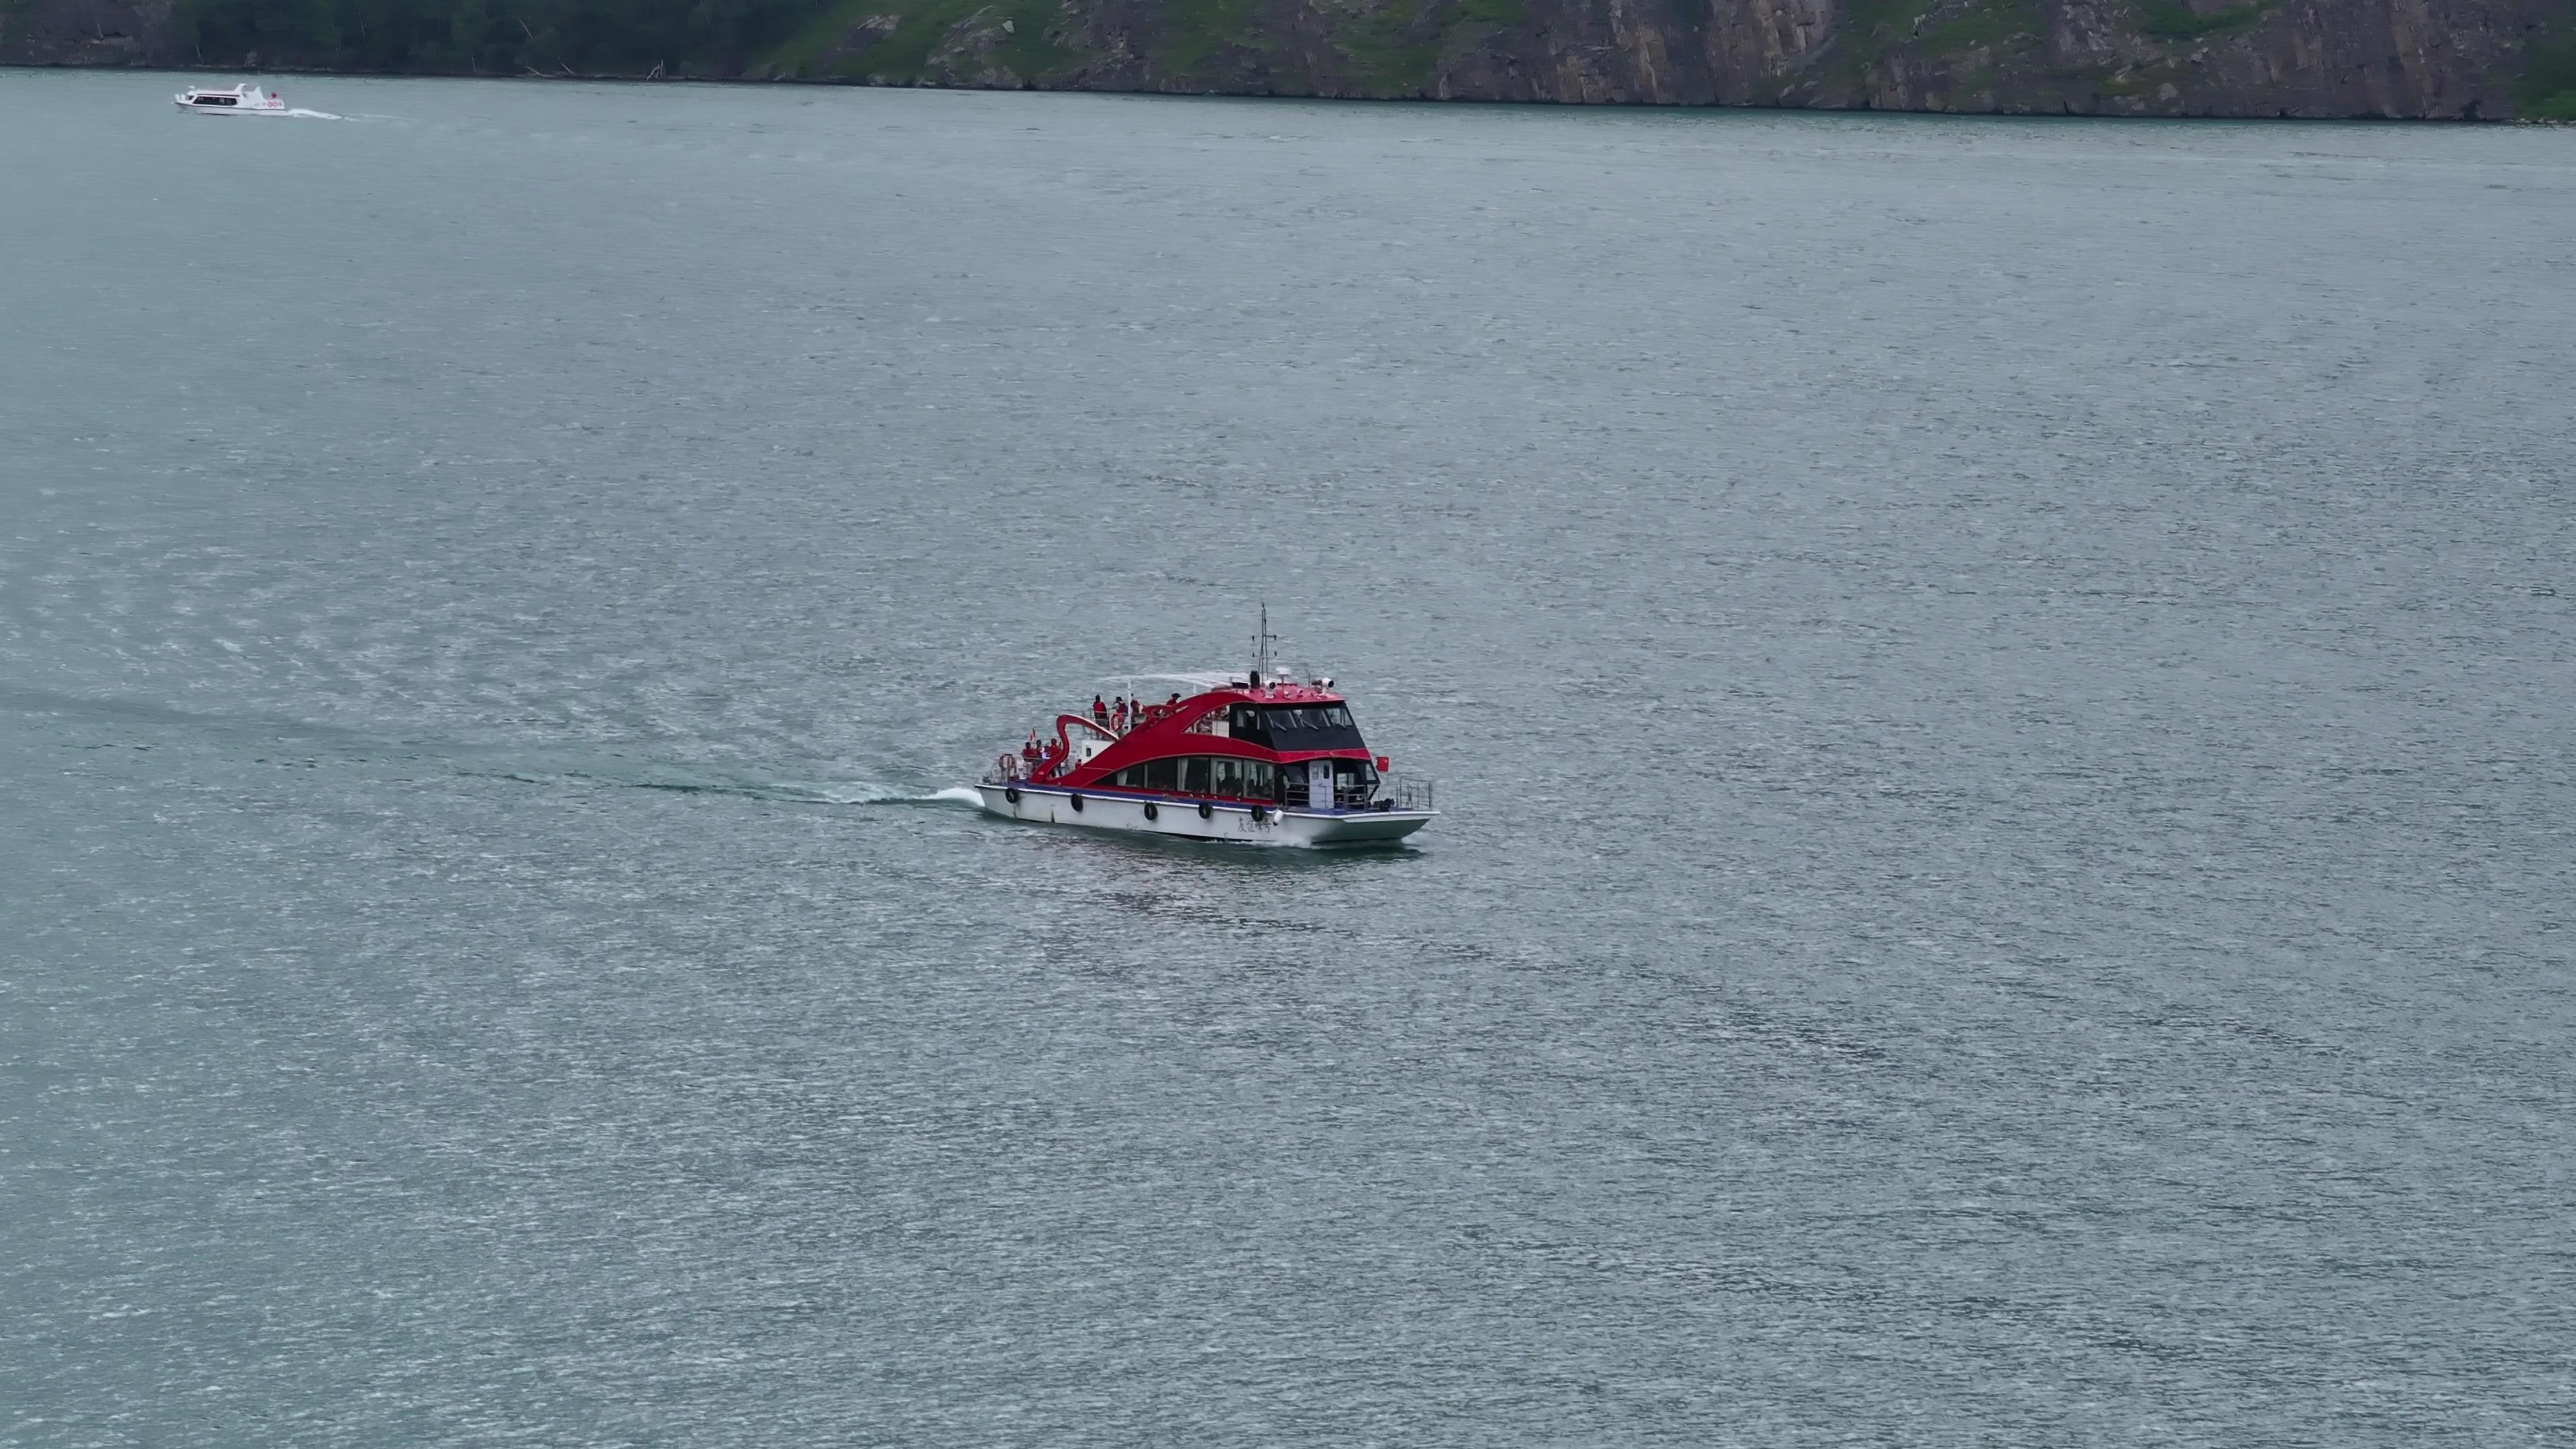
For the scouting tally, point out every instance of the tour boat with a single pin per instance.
(240, 100)
(1250, 758)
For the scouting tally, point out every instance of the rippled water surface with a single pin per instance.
(2002, 691)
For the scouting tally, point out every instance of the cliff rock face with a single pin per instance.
(84, 32)
(2472, 59)
(2324, 58)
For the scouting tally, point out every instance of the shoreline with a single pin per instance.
(1028, 85)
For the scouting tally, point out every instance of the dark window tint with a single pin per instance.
(1194, 775)
(1258, 783)
(1229, 775)
(1162, 774)
(1325, 727)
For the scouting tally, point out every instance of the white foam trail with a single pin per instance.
(825, 792)
(859, 792)
(822, 790)
(314, 115)
(725, 780)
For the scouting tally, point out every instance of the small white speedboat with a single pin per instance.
(240, 100)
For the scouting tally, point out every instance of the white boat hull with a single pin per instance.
(241, 100)
(1197, 819)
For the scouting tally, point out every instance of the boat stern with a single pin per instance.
(1356, 827)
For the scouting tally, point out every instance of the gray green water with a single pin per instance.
(2002, 690)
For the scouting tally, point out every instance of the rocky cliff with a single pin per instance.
(2473, 59)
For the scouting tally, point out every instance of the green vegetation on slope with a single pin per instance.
(1394, 47)
(1870, 27)
(16, 16)
(2548, 88)
(627, 36)
(1198, 31)
(608, 37)
(1398, 46)
(1990, 22)
(835, 44)
(810, 50)
(2172, 21)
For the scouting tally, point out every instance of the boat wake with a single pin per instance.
(267, 740)
(720, 780)
(315, 115)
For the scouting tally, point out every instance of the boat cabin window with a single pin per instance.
(1222, 775)
(1295, 726)
(1354, 782)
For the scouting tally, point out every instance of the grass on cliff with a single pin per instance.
(1868, 29)
(1393, 52)
(1398, 46)
(1201, 30)
(1991, 23)
(2547, 91)
(802, 52)
(921, 27)
(1881, 24)
(698, 37)
(1957, 51)
(2174, 22)
(805, 50)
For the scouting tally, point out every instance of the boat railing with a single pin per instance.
(1409, 794)
(1115, 725)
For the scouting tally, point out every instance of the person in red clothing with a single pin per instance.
(1099, 711)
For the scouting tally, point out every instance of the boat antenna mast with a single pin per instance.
(1261, 642)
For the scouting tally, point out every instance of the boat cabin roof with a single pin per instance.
(1237, 686)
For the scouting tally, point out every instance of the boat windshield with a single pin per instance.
(1295, 726)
